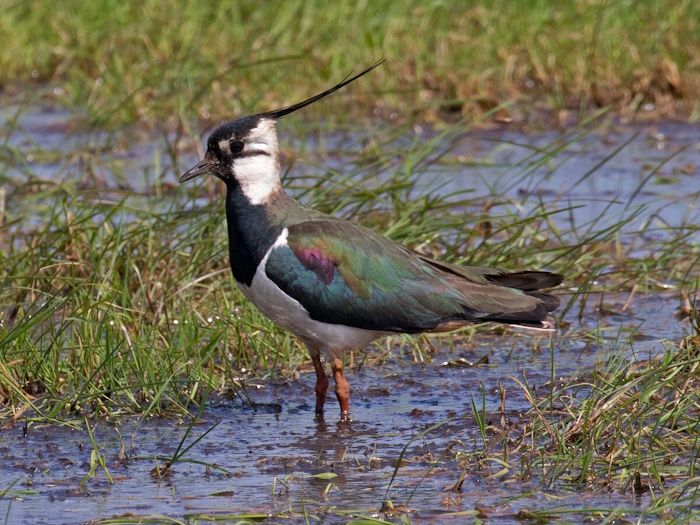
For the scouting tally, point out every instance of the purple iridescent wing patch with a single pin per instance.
(321, 264)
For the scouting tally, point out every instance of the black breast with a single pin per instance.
(251, 232)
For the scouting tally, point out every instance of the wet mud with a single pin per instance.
(270, 457)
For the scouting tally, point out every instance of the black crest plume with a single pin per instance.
(279, 113)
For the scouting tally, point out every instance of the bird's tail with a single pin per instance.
(528, 282)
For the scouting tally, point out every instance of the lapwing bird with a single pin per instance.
(334, 284)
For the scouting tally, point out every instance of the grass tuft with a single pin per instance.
(126, 62)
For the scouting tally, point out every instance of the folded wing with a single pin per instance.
(345, 274)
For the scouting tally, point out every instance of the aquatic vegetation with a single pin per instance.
(130, 363)
(118, 302)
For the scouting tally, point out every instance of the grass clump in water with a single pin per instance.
(629, 427)
(118, 300)
(121, 299)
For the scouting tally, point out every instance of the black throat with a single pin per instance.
(251, 231)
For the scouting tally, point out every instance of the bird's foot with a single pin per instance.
(320, 420)
(345, 426)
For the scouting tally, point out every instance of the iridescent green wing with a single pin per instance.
(345, 274)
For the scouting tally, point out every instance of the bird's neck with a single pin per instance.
(254, 228)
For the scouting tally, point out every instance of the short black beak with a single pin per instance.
(206, 165)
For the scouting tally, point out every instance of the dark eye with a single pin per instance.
(236, 147)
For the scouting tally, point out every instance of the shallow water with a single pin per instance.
(656, 168)
(599, 175)
(267, 455)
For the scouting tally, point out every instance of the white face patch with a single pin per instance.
(258, 170)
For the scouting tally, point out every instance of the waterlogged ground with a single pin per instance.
(271, 458)
(593, 176)
(268, 458)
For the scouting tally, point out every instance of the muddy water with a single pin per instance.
(602, 175)
(274, 459)
(599, 176)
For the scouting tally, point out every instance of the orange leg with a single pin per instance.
(321, 384)
(342, 389)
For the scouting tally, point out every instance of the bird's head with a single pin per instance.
(245, 152)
